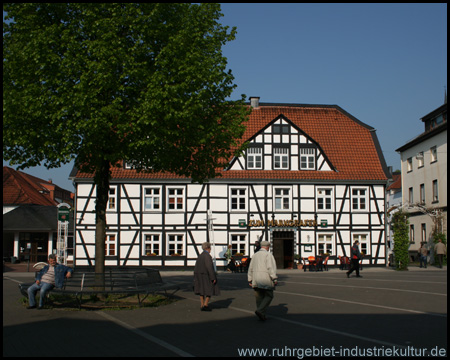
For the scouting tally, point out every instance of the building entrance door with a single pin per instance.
(283, 249)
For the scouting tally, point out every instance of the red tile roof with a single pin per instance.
(20, 189)
(397, 182)
(350, 145)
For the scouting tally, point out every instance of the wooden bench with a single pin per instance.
(140, 282)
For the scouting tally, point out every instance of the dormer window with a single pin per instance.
(254, 158)
(281, 158)
(307, 159)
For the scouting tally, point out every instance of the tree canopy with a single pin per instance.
(105, 82)
(102, 82)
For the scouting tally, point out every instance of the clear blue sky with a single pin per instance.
(386, 64)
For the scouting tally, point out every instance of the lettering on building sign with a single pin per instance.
(284, 223)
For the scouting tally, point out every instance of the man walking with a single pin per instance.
(423, 252)
(356, 256)
(262, 277)
(440, 250)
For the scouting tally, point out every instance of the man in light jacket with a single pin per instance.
(440, 249)
(262, 277)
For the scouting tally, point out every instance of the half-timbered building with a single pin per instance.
(311, 181)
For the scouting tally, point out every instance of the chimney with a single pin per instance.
(254, 101)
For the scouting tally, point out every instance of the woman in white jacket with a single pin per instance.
(262, 277)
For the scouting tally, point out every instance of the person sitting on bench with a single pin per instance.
(50, 276)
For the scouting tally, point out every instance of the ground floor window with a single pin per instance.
(175, 244)
(325, 243)
(152, 244)
(363, 243)
(238, 244)
(110, 245)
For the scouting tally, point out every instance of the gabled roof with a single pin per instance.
(351, 146)
(397, 182)
(24, 189)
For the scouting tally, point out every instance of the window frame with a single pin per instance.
(364, 241)
(327, 240)
(176, 197)
(151, 242)
(422, 193)
(239, 242)
(111, 206)
(435, 188)
(252, 158)
(177, 242)
(409, 164)
(108, 243)
(283, 157)
(239, 197)
(411, 195)
(145, 196)
(284, 198)
(324, 197)
(412, 239)
(359, 197)
(433, 154)
(420, 160)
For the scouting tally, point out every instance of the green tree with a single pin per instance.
(400, 224)
(104, 82)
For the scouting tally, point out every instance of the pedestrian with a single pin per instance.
(205, 280)
(423, 252)
(440, 250)
(262, 277)
(257, 246)
(355, 257)
(50, 276)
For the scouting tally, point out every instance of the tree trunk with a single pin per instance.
(102, 181)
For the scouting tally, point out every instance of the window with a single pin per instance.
(282, 198)
(112, 198)
(435, 191)
(424, 232)
(411, 195)
(419, 158)
(175, 244)
(281, 158)
(325, 244)
(324, 199)
(307, 159)
(422, 193)
(281, 129)
(152, 199)
(254, 158)
(433, 152)
(409, 165)
(238, 198)
(175, 199)
(411, 234)
(238, 244)
(359, 199)
(152, 244)
(363, 243)
(110, 245)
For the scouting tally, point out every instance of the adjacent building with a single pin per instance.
(424, 179)
(30, 216)
(312, 180)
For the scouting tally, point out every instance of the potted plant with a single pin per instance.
(298, 261)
